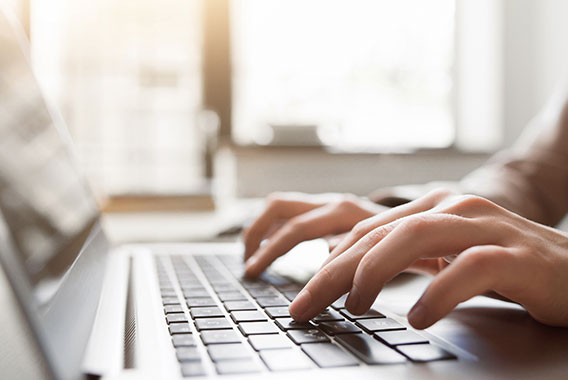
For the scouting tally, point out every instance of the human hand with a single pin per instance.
(489, 247)
(290, 218)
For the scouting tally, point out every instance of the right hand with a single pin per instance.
(290, 218)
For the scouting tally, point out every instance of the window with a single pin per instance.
(127, 77)
(368, 74)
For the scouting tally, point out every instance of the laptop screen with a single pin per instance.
(44, 200)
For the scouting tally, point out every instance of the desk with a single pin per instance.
(143, 227)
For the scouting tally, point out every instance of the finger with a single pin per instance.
(416, 206)
(415, 237)
(427, 266)
(331, 282)
(474, 272)
(276, 210)
(334, 240)
(322, 221)
(328, 284)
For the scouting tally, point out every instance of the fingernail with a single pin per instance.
(417, 316)
(301, 304)
(353, 299)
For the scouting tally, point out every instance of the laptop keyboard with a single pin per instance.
(220, 322)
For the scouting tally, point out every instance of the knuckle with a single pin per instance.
(348, 201)
(326, 275)
(295, 226)
(361, 228)
(473, 202)
(414, 225)
(275, 197)
(364, 268)
(441, 193)
(479, 260)
(379, 233)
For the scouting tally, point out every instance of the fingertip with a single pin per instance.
(300, 306)
(252, 268)
(419, 317)
(353, 301)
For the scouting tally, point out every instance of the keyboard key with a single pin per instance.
(369, 350)
(425, 352)
(379, 324)
(290, 286)
(192, 369)
(170, 301)
(219, 336)
(212, 324)
(206, 312)
(252, 284)
(195, 293)
(200, 302)
(248, 316)
(394, 338)
(186, 277)
(340, 302)
(307, 336)
(224, 287)
(188, 354)
(179, 328)
(272, 301)
(177, 317)
(285, 360)
(372, 313)
(191, 285)
(231, 296)
(254, 328)
(276, 312)
(263, 292)
(290, 294)
(339, 327)
(183, 340)
(237, 366)
(328, 316)
(173, 309)
(269, 342)
(328, 355)
(217, 279)
(274, 279)
(228, 351)
(286, 324)
(239, 305)
(168, 293)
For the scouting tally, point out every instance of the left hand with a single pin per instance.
(470, 244)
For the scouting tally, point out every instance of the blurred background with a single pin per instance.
(346, 95)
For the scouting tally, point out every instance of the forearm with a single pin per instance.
(531, 179)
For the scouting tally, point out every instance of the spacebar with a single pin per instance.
(369, 350)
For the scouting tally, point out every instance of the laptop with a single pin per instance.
(86, 309)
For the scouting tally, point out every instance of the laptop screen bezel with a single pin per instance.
(62, 326)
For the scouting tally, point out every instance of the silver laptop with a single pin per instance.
(183, 310)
